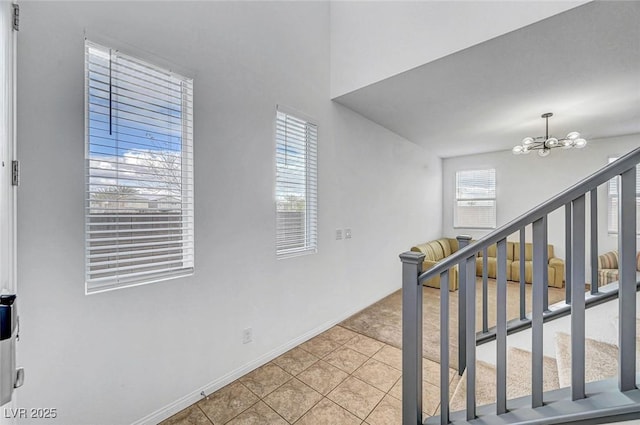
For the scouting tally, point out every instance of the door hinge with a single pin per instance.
(15, 173)
(16, 17)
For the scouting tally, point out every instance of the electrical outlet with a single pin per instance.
(338, 234)
(247, 335)
(347, 233)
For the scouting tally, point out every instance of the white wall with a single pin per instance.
(524, 181)
(117, 357)
(371, 41)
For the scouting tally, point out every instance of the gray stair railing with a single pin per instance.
(573, 200)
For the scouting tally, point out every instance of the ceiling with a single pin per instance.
(583, 65)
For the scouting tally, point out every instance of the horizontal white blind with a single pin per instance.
(139, 171)
(475, 205)
(612, 201)
(296, 185)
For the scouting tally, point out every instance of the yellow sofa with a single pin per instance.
(492, 261)
(555, 265)
(434, 252)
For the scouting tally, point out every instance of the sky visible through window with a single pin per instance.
(135, 133)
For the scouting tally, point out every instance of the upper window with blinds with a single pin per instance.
(139, 171)
(612, 201)
(475, 205)
(296, 185)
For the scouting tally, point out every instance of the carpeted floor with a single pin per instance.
(383, 320)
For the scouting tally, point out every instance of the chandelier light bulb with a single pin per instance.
(580, 143)
(527, 141)
(544, 144)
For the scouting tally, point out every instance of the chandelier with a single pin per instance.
(544, 144)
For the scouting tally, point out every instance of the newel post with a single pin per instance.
(463, 240)
(411, 338)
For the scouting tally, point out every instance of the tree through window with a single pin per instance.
(139, 179)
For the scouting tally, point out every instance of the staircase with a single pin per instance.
(588, 381)
(601, 363)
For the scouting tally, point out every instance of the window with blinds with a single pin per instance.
(475, 205)
(612, 201)
(139, 220)
(296, 185)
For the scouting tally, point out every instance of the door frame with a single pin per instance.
(8, 260)
(8, 191)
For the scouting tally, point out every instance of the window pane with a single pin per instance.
(475, 205)
(612, 201)
(139, 188)
(296, 185)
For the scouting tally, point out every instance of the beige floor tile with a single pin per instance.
(293, 399)
(356, 396)
(431, 372)
(322, 377)
(258, 414)
(430, 396)
(320, 346)
(378, 374)
(390, 355)
(265, 379)
(346, 359)
(190, 416)
(328, 413)
(339, 334)
(295, 361)
(387, 412)
(227, 403)
(365, 345)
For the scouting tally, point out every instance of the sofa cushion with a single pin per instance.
(432, 250)
(528, 274)
(608, 260)
(492, 267)
(606, 276)
(492, 251)
(528, 251)
(447, 249)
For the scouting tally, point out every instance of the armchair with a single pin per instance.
(608, 267)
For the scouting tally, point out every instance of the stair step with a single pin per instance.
(519, 373)
(601, 359)
(485, 387)
(518, 379)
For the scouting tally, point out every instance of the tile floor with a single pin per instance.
(339, 377)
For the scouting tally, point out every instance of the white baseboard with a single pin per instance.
(186, 401)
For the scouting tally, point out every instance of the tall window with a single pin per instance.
(139, 171)
(475, 205)
(296, 185)
(612, 201)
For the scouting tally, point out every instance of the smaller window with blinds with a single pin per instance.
(475, 204)
(296, 184)
(139, 220)
(612, 201)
